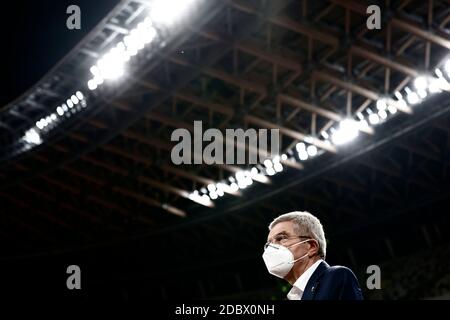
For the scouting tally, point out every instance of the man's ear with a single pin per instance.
(314, 247)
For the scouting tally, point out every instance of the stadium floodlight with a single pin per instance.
(92, 85)
(268, 163)
(242, 184)
(381, 104)
(303, 155)
(435, 85)
(98, 80)
(254, 171)
(278, 167)
(211, 187)
(131, 43)
(168, 12)
(32, 137)
(95, 71)
(392, 109)
(441, 82)
(421, 83)
(220, 186)
(348, 130)
(244, 179)
(374, 119)
(300, 147)
(141, 36)
(79, 95)
(74, 99)
(60, 111)
(234, 187)
(411, 96)
(422, 94)
(220, 192)
(111, 65)
(270, 171)
(284, 157)
(201, 199)
(312, 150)
(382, 114)
(240, 176)
(213, 195)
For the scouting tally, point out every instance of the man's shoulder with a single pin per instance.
(333, 283)
(339, 271)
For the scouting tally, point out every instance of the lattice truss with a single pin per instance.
(299, 66)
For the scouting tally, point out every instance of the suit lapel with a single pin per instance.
(313, 282)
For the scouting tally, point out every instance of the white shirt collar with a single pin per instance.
(299, 286)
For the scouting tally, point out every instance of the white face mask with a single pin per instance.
(279, 259)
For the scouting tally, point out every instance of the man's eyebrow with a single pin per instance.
(280, 233)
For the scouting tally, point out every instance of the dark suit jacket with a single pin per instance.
(332, 283)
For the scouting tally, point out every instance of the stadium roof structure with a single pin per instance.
(86, 157)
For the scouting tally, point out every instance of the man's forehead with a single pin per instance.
(285, 227)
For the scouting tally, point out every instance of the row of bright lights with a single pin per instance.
(345, 131)
(162, 13)
(111, 66)
(423, 86)
(242, 179)
(72, 105)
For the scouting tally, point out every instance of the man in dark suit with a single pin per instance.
(296, 250)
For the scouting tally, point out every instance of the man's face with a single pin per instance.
(283, 233)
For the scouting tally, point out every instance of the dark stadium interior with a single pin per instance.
(101, 190)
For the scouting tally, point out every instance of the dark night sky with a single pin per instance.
(35, 38)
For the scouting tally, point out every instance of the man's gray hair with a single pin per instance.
(305, 224)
